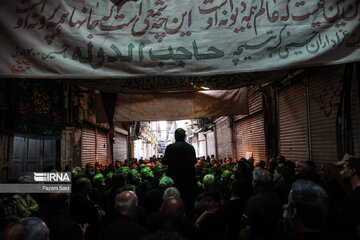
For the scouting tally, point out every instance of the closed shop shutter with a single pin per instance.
(194, 142)
(355, 112)
(254, 102)
(250, 137)
(202, 145)
(101, 147)
(88, 146)
(324, 94)
(223, 135)
(292, 117)
(210, 138)
(255, 99)
(120, 147)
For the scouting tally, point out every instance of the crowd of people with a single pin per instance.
(208, 198)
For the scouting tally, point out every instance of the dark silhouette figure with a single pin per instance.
(181, 159)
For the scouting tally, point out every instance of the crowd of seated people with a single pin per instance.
(236, 199)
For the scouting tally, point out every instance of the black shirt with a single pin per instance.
(125, 228)
(351, 213)
(233, 210)
(262, 213)
(62, 226)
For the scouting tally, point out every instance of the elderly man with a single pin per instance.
(351, 207)
(125, 226)
(181, 159)
(307, 210)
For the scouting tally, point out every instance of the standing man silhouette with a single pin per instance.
(181, 159)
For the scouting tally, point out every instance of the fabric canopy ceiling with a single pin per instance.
(176, 105)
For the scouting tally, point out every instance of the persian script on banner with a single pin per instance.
(135, 38)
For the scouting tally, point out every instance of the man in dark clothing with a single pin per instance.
(262, 212)
(307, 211)
(172, 214)
(329, 175)
(233, 209)
(351, 207)
(83, 210)
(125, 226)
(282, 183)
(181, 159)
(211, 224)
(60, 223)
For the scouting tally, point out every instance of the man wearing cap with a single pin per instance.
(351, 207)
(181, 159)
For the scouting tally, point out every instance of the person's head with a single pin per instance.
(237, 188)
(82, 186)
(281, 173)
(24, 179)
(172, 211)
(328, 172)
(302, 167)
(209, 182)
(117, 164)
(118, 178)
(90, 169)
(281, 159)
(99, 180)
(134, 177)
(124, 170)
(180, 134)
(30, 228)
(146, 172)
(78, 170)
(58, 202)
(261, 179)
(111, 167)
(225, 176)
(126, 203)
(166, 182)
(312, 165)
(171, 192)
(351, 171)
(212, 200)
(307, 205)
(262, 164)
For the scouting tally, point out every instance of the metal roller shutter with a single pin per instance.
(324, 95)
(120, 147)
(250, 137)
(255, 100)
(88, 146)
(292, 117)
(202, 145)
(194, 143)
(223, 136)
(101, 147)
(355, 111)
(210, 141)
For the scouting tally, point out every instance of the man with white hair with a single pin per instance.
(125, 226)
(307, 211)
